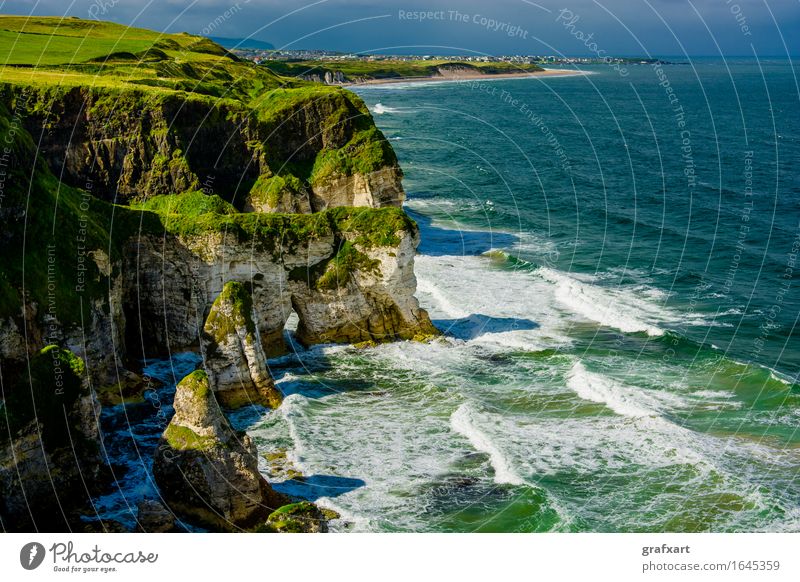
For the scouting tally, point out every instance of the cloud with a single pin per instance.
(658, 27)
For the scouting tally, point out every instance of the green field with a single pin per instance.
(69, 52)
(358, 70)
(53, 41)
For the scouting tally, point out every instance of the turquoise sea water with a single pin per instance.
(613, 261)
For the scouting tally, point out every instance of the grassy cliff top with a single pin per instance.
(57, 41)
(390, 69)
(60, 239)
(73, 52)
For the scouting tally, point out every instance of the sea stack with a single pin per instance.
(235, 358)
(208, 473)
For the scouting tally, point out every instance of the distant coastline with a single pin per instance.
(468, 76)
(360, 72)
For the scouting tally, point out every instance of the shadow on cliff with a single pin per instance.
(315, 486)
(476, 325)
(436, 241)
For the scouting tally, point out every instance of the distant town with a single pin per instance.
(259, 55)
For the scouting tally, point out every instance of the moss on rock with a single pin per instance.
(341, 267)
(300, 517)
(194, 203)
(267, 192)
(182, 438)
(222, 322)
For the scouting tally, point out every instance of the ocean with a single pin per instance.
(613, 261)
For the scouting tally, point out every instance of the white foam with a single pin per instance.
(461, 421)
(613, 307)
(440, 299)
(381, 109)
(624, 399)
(713, 394)
(598, 388)
(395, 442)
(489, 306)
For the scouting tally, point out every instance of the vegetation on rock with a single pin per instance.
(300, 517)
(55, 380)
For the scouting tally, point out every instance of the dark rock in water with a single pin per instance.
(154, 517)
(207, 473)
(52, 465)
(129, 388)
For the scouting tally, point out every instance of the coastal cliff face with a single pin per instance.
(166, 213)
(345, 283)
(130, 146)
(53, 466)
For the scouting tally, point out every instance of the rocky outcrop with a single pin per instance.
(133, 145)
(328, 78)
(376, 189)
(300, 517)
(52, 465)
(365, 294)
(208, 473)
(234, 356)
(153, 517)
(347, 273)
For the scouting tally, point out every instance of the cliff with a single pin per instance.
(139, 194)
(346, 272)
(302, 150)
(53, 466)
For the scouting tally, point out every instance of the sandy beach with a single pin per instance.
(470, 76)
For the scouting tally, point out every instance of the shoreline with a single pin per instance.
(469, 77)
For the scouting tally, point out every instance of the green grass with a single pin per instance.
(54, 41)
(181, 438)
(193, 203)
(19, 48)
(367, 151)
(123, 71)
(270, 190)
(75, 52)
(361, 70)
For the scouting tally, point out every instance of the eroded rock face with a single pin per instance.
(234, 356)
(129, 146)
(377, 190)
(374, 303)
(177, 281)
(53, 459)
(208, 473)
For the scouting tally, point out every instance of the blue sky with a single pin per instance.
(571, 27)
